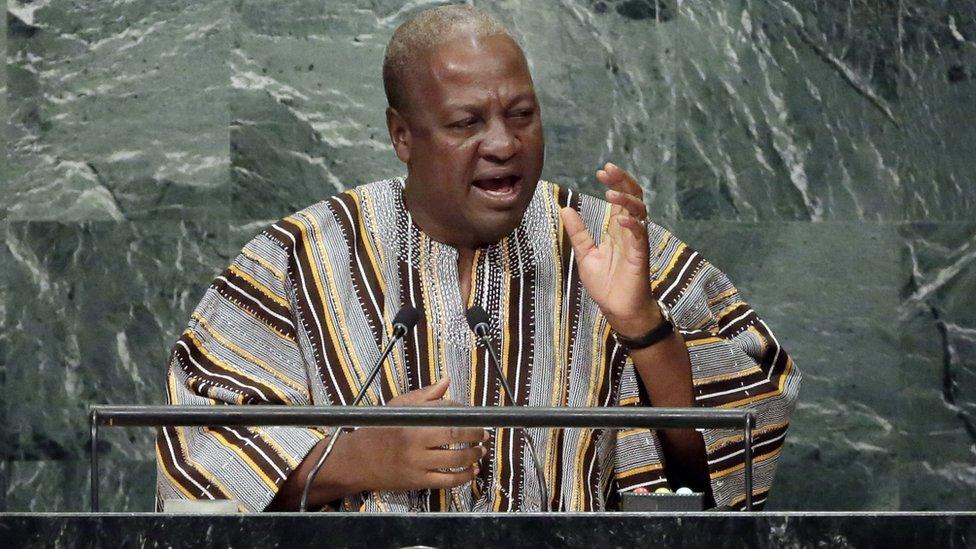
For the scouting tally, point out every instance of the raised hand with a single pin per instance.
(616, 273)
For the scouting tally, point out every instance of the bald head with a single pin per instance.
(413, 41)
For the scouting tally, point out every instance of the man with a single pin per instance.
(591, 305)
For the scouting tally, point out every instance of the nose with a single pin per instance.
(500, 143)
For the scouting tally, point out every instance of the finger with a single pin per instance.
(579, 235)
(439, 479)
(436, 391)
(621, 180)
(424, 395)
(452, 459)
(634, 241)
(630, 203)
(442, 436)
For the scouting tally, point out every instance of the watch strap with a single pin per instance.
(656, 335)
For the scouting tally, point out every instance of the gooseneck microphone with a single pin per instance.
(404, 321)
(478, 320)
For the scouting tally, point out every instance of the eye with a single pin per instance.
(465, 122)
(521, 114)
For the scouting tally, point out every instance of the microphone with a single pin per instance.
(404, 321)
(478, 320)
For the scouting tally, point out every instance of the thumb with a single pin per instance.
(435, 391)
(579, 236)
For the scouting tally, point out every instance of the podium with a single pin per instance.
(598, 529)
(732, 529)
(419, 416)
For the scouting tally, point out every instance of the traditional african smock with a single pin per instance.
(301, 314)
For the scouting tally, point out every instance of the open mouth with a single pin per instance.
(499, 187)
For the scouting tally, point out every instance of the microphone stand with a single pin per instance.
(403, 322)
(478, 320)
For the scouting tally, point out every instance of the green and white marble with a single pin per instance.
(820, 153)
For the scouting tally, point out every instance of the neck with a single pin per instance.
(414, 200)
(465, 268)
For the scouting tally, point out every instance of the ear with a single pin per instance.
(396, 124)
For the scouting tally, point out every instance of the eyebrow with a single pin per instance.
(474, 107)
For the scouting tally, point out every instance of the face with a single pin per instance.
(471, 136)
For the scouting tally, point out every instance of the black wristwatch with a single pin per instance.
(650, 338)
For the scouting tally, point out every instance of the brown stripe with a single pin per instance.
(310, 308)
(737, 446)
(683, 256)
(243, 301)
(755, 376)
(254, 436)
(521, 331)
(415, 348)
(250, 389)
(687, 268)
(362, 270)
(191, 470)
(739, 503)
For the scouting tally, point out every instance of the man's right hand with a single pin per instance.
(389, 458)
(413, 458)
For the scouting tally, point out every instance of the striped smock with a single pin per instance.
(304, 310)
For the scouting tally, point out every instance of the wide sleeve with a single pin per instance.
(736, 362)
(238, 348)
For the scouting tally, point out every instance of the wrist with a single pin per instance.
(636, 326)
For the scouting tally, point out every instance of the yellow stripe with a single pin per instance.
(703, 341)
(227, 443)
(229, 367)
(663, 243)
(174, 391)
(595, 383)
(292, 462)
(558, 337)
(374, 267)
(733, 439)
(497, 470)
(397, 361)
(439, 289)
(638, 470)
(503, 303)
(725, 377)
(431, 365)
(771, 394)
(267, 292)
(172, 480)
(251, 358)
(255, 257)
(722, 296)
(354, 373)
(247, 310)
(669, 267)
(627, 433)
(181, 438)
(755, 461)
(474, 348)
(629, 401)
(368, 244)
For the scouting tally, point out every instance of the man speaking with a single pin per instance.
(589, 303)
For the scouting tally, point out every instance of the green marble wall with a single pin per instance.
(822, 153)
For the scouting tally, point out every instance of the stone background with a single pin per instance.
(822, 153)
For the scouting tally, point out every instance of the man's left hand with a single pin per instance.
(616, 273)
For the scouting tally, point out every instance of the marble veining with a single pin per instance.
(821, 153)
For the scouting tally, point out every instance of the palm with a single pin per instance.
(615, 273)
(616, 270)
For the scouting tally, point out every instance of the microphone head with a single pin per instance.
(406, 318)
(478, 319)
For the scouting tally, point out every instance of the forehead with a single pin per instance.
(473, 67)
